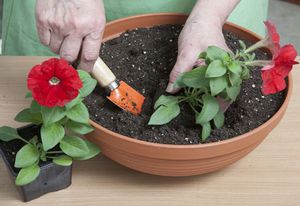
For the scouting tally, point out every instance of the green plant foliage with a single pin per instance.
(79, 113)
(74, 146)
(215, 69)
(89, 83)
(27, 156)
(93, 151)
(79, 128)
(8, 133)
(35, 107)
(26, 116)
(209, 110)
(217, 85)
(63, 160)
(52, 115)
(27, 175)
(219, 119)
(206, 129)
(51, 135)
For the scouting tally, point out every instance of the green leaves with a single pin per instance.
(27, 156)
(93, 151)
(209, 110)
(51, 135)
(206, 129)
(216, 53)
(215, 69)
(195, 78)
(63, 160)
(52, 115)
(233, 92)
(217, 85)
(74, 146)
(26, 116)
(235, 68)
(8, 133)
(35, 107)
(27, 175)
(79, 128)
(78, 113)
(219, 119)
(89, 83)
(168, 109)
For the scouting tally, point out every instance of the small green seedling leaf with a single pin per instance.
(233, 92)
(88, 82)
(63, 160)
(216, 53)
(217, 85)
(74, 146)
(79, 128)
(234, 79)
(26, 116)
(52, 115)
(27, 175)
(219, 119)
(27, 156)
(165, 100)
(209, 110)
(74, 102)
(215, 69)
(206, 130)
(235, 68)
(93, 151)
(164, 114)
(8, 133)
(51, 135)
(195, 78)
(79, 113)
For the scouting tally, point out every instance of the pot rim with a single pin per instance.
(206, 145)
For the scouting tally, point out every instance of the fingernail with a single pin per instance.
(170, 87)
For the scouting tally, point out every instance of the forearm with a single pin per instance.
(213, 11)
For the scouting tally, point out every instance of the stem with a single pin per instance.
(24, 140)
(193, 108)
(259, 44)
(50, 157)
(259, 63)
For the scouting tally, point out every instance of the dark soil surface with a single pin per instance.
(144, 58)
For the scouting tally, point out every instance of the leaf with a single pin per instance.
(195, 78)
(27, 156)
(219, 119)
(217, 85)
(206, 129)
(74, 146)
(233, 92)
(88, 82)
(93, 151)
(35, 107)
(28, 95)
(242, 44)
(26, 116)
(164, 115)
(8, 133)
(234, 79)
(78, 113)
(51, 135)
(245, 73)
(216, 53)
(235, 68)
(202, 55)
(75, 101)
(63, 160)
(215, 69)
(28, 174)
(52, 115)
(79, 128)
(209, 110)
(165, 100)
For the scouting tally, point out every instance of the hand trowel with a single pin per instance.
(120, 93)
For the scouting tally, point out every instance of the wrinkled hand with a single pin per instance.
(195, 37)
(71, 26)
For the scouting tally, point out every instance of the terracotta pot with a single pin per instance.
(178, 160)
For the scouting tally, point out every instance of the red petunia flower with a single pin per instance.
(273, 75)
(54, 83)
(272, 40)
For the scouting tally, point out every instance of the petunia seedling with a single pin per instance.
(221, 78)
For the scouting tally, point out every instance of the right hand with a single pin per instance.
(71, 26)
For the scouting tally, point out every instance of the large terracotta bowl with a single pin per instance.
(178, 160)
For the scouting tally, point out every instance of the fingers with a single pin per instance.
(185, 62)
(90, 50)
(70, 48)
(44, 34)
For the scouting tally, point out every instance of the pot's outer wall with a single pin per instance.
(52, 177)
(178, 160)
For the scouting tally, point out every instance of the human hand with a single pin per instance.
(203, 28)
(71, 26)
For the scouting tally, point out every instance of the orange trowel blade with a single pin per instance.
(127, 98)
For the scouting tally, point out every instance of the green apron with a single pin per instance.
(20, 36)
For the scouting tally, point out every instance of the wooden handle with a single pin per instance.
(102, 73)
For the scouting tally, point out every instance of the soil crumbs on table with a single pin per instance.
(143, 58)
